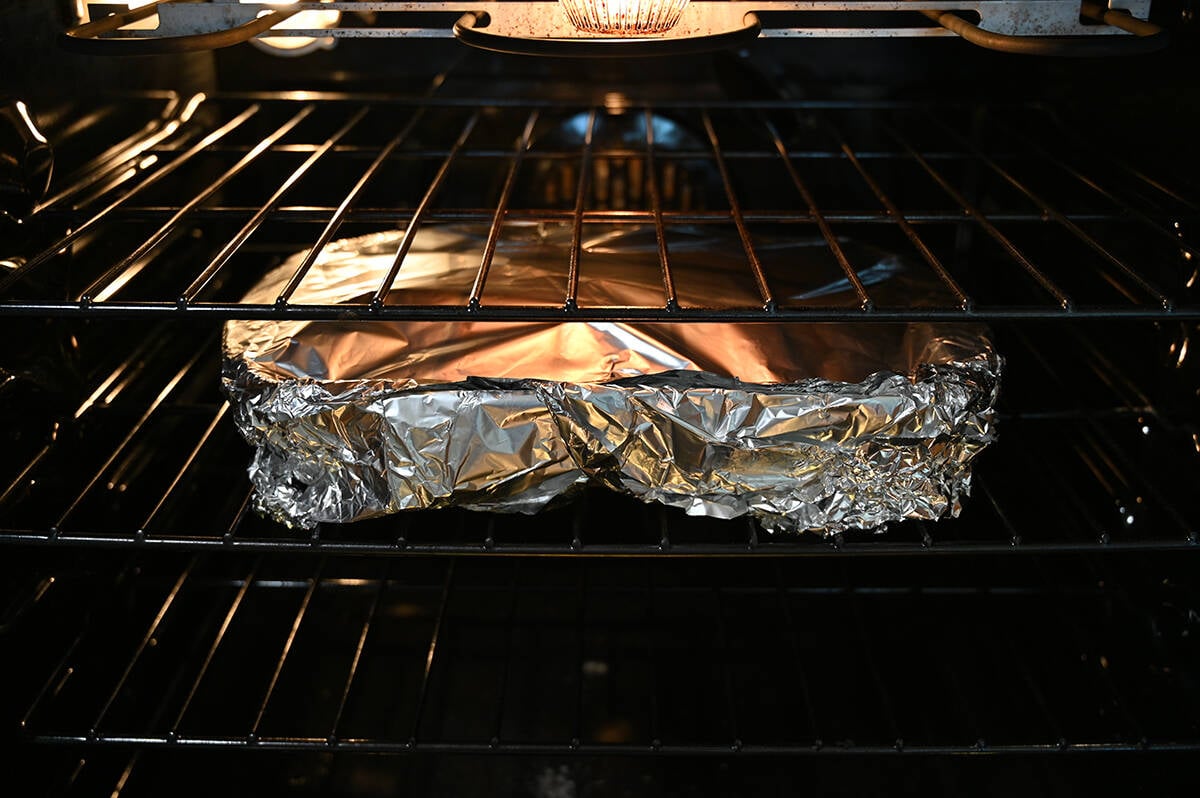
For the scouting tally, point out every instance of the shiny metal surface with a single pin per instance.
(823, 427)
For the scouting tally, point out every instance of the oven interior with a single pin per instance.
(161, 636)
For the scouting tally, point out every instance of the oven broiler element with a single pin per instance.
(1047, 27)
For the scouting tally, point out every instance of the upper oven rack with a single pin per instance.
(1015, 212)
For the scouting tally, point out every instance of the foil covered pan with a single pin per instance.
(806, 426)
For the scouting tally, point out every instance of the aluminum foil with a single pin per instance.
(805, 426)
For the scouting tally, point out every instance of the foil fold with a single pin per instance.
(821, 427)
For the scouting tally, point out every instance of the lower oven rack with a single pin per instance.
(792, 658)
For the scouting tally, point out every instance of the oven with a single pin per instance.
(162, 637)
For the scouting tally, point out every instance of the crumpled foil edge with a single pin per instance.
(808, 455)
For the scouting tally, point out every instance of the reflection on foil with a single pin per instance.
(806, 427)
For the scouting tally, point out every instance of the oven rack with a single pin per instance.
(1013, 211)
(149, 459)
(1047, 656)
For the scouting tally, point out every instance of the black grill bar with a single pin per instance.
(798, 664)
(1065, 222)
(309, 214)
(62, 668)
(438, 625)
(169, 153)
(339, 215)
(154, 406)
(270, 206)
(410, 231)
(896, 215)
(664, 259)
(582, 190)
(831, 240)
(287, 649)
(166, 496)
(970, 210)
(510, 647)
(735, 212)
(151, 180)
(1080, 142)
(172, 225)
(723, 655)
(510, 180)
(1007, 662)
(1126, 207)
(360, 646)
(234, 606)
(151, 630)
(121, 155)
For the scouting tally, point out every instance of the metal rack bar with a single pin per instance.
(724, 657)
(793, 640)
(208, 431)
(372, 612)
(735, 212)
(61, 669)
(171, 120)
(895, 214)
(1081, 142)
(1037, 274)
(1064, 221)
(302, 744)
(310, 214)
(313, 582)
(1004, 644)
(410, 231)
(123, 370)
(506, 668)
(660, 234)
(582, 189)
(1076, 633)
(1146, 221)
(212, 650)
(885, 699)
(580, 654)
(152, 179)
(864, 299)
(438, 625)
(151, 630)
(510, 181)
(172, 224)
(155, 405)
(652, 657)
(339, 214)
(243, 235)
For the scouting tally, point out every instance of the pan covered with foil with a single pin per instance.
(807, 427)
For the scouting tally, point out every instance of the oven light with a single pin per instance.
(305, 20)
(624, 17)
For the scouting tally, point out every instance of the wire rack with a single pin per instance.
(593, 658)
(1097, 454)
(1013, 212)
